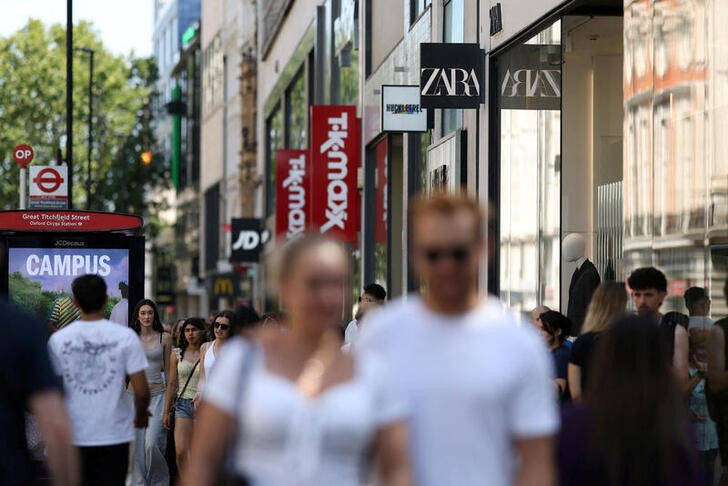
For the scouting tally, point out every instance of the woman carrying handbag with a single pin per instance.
(182, 387)
(292, 407)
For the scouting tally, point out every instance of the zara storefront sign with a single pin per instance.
(529, 78)
(401, 109)
(293, 193)
(451, 75)
(335, 161)
(248, 238)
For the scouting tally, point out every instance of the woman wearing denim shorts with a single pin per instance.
(182, 385)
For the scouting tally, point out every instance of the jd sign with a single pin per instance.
(247, 240)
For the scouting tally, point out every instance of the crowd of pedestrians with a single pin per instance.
(446, 387)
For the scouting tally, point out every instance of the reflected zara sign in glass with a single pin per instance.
(401, 109)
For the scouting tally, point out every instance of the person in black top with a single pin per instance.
(648, 286)
(607, 304)
(28, 383)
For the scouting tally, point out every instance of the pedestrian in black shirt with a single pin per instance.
(607, 304)
(28, 383)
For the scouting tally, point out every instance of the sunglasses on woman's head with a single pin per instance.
(220, 325)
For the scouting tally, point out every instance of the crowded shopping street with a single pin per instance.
(363, 243)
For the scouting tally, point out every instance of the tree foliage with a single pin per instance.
(33, 111)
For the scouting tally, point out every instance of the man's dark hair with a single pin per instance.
(89, 291)
(695, 296)
(244, 317)
(376, 291)
(647, 278)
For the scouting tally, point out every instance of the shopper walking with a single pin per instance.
(95, 357)
(717, 391)
(607, 305)
(184, 373)
(149, 466)
(301, 412)
(373, 295)
(551, 325)
(478, 384)
(28, 383)
(705, 430)
(648, 287)
(632, 429)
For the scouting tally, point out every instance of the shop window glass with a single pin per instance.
(676, 168)
(454, 25)
(297, 113)
(530, 188)
(417, 7)
(381, 222)
(274, 141)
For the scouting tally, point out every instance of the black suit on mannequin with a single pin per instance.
(583, 284)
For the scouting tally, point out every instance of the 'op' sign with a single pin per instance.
(23, 155)
(48, 187)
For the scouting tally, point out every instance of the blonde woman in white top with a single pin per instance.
(301, 411)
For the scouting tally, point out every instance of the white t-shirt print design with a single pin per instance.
(94, 359)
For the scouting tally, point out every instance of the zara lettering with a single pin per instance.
(532, 83)
(450, 82)
(337, 192)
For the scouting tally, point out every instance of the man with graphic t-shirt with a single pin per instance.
(94, 357)
(483, 408)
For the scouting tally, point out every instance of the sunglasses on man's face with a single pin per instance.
(220, 325)
(457, 253)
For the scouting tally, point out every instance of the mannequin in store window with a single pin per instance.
(584, 281)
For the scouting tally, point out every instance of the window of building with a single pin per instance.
(297, 113)
(274, 141)
(453, 32)
(212, 74)
(417, 8)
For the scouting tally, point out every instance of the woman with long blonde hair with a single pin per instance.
(607, 304)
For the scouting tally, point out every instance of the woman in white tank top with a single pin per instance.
(149, 466)
(297, 410)
(221, 329)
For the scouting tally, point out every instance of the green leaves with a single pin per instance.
(32, 110)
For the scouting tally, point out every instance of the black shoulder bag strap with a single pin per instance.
(184, 388)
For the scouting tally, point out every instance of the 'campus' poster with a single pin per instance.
(40, 278)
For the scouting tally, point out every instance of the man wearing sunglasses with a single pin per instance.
(482, 406)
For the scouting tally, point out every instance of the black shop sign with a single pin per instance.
(451, 75)
(248, 238)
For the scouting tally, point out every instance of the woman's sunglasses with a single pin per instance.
(220, 325)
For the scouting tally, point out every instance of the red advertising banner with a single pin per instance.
(67, 221)
(380, 212)
(335, 157)
(293, 193)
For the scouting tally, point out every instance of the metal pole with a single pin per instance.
(90, 124)
(22, 188)
(69, 99)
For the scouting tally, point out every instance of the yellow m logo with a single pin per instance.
(223, 286)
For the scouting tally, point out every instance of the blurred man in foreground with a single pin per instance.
(27, 382)
(483, 407)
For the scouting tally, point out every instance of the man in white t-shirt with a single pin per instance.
(373, 295)
(94, 357)
(479, 385)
